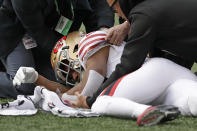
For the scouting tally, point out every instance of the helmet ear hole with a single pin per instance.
(75, 48)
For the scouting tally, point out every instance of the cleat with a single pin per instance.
(158, 114)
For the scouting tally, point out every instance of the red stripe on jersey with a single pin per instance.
(90, 42)
(103, 92)
(90, 48)
(115, 86)
(90, 33)
(95, 35)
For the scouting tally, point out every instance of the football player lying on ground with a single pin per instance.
(93, 50)
(158, 81)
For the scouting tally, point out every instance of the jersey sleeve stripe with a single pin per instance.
(92, 36)
(90, 42)
(90, 48)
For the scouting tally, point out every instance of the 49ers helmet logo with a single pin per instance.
(59, 45)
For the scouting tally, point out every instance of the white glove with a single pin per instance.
(25, 75)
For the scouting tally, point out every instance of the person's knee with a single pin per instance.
(17, 58)
(187, 105)
(192, 105)
(101, 104)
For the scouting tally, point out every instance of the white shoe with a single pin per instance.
(22, 106)
(37, 94)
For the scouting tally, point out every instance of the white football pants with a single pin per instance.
(158, 81)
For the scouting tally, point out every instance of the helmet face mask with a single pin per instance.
(64, 60)
(64, 70)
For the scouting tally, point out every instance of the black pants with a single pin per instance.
(17, 58)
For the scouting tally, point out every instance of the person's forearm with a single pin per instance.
(77, 88)
(51, 85)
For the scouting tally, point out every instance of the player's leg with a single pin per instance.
(124, 108)
(182, 94)
(17, 58)
(148, 82)
(109, 105)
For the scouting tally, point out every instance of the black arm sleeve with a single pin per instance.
(104, 13)
(31, 16)
(135, 51)
(101, 16)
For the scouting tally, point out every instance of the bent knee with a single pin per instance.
(192, 104)
(101, 104)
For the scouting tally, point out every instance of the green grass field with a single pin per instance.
(48, 122)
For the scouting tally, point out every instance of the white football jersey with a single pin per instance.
(90, 44)
(93, 42)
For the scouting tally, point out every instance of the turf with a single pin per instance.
(194, 68)
(48, 122)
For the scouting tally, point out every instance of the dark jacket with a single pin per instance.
(168, 25)
(39, 18)
(93, 13)
(11, 31)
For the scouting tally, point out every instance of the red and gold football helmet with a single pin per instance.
(64, 59)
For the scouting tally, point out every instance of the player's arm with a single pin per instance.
(95, 67)
(105, 16)
(81, 101)
(51, 85)
(30, 75)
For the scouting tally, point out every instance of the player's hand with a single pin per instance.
(81, 102)
(117, 34)
(25, 75)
